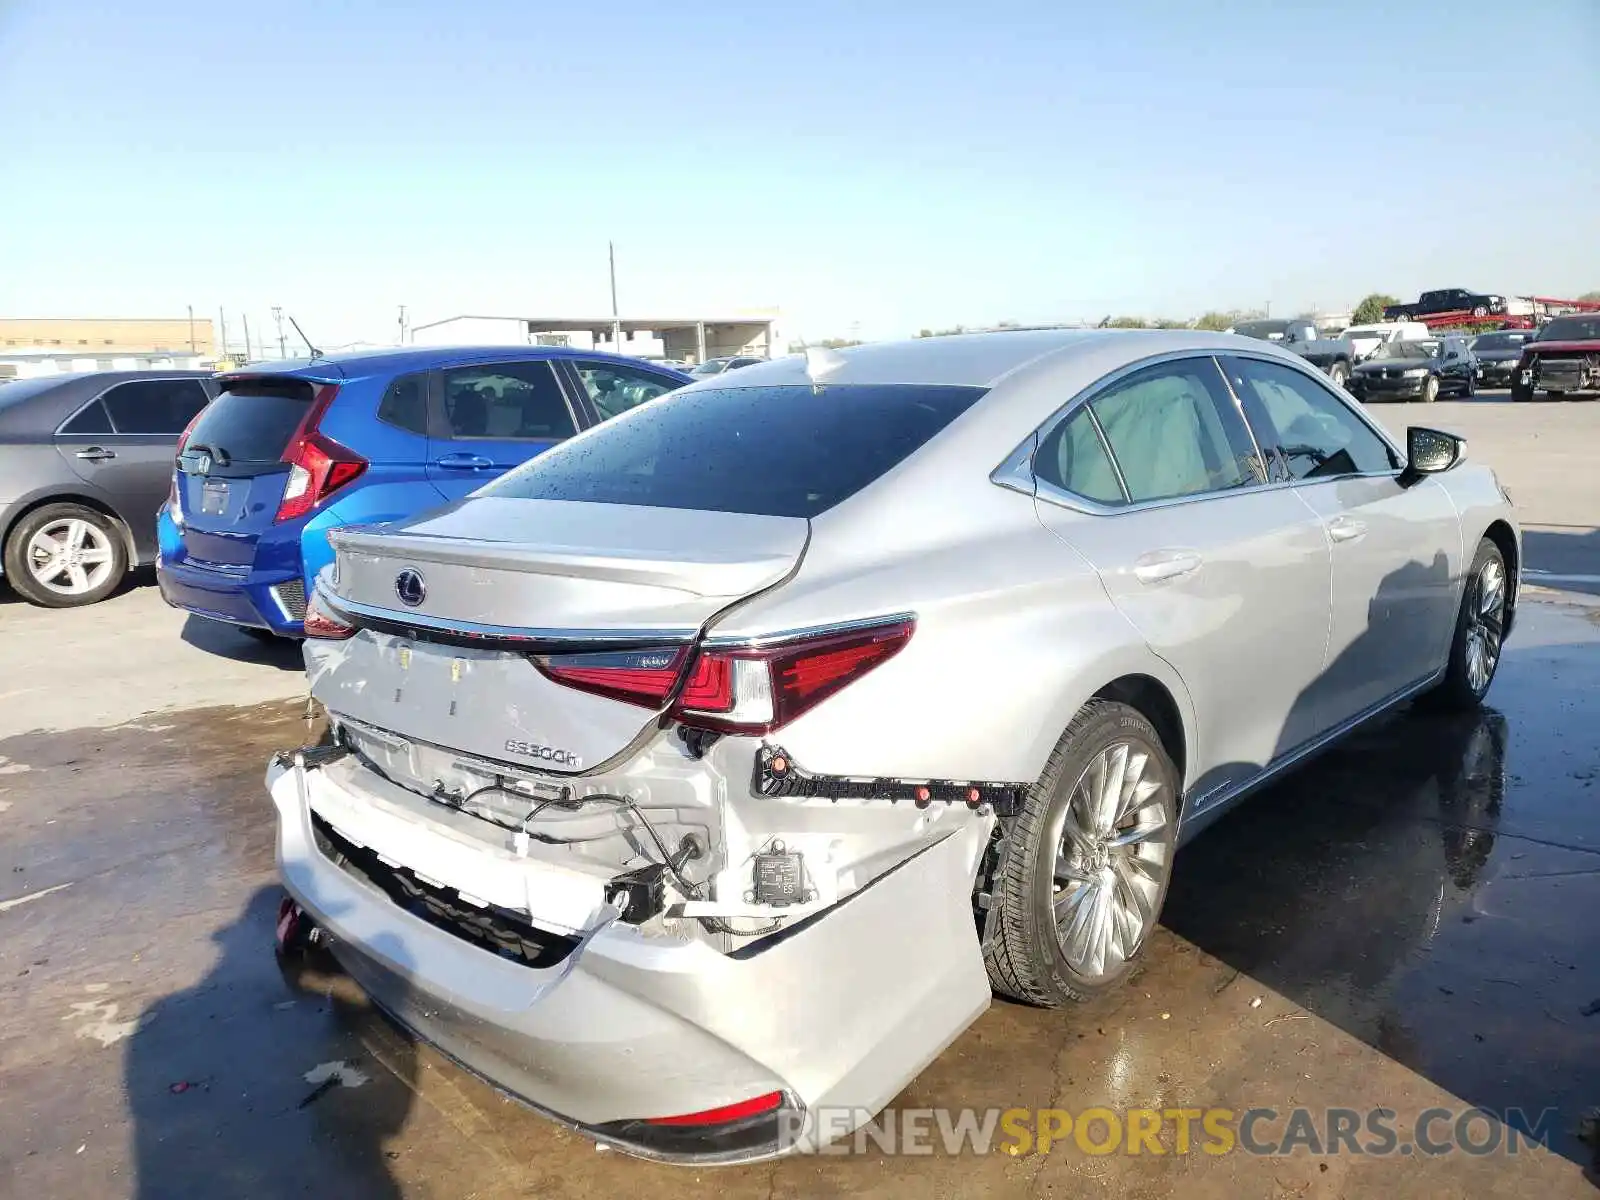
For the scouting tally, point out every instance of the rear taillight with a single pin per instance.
(643, 677)
(318, 465)
(183, 438)
(751, 690)
(321, 623)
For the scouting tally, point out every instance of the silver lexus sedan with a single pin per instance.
(699, 780)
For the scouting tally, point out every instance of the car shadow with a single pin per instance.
(229, 641)
(238, 1087)
(1412, 889)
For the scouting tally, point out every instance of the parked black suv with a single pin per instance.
(1498, 354)
(1444, 300)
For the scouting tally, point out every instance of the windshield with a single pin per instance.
(714, 367)
(1572, 329)
(1499, 341)
(782, 451)
(1408, 349)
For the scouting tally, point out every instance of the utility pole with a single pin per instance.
(222, 328)
(248, 356)
(616, 319)
(402, 324)
(191, 329)
(277, 316)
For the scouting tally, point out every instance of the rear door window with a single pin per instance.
(614, 389)
(1073, 458)
(774, 451)
(248, 427)
(155, 406)
(90, 420)
(1175, 431)
(515, 401)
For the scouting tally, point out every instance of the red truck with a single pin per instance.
(1562, 360)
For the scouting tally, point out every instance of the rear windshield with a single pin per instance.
(251, 422)
(1571, 329)
(1499, 341)
(791, 451)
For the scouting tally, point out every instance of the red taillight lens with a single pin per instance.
(754, 690)
(754, 1107)
(318, 465)
(759, 690)
(643, 677)
(183, 438)
(320, 623)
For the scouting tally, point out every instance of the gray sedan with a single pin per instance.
(699, 780)
(85, 461)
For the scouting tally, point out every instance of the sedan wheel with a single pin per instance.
(1480, 630)
(65, 555)
(1084, 868)
(1430, 389)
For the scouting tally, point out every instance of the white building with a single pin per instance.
(683, 339)
(29, 362)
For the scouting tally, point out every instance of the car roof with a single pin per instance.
(973, 359)
(357, 364)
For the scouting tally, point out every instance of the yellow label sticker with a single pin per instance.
(405, 658)
(455, 670)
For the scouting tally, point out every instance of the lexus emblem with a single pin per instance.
(410, 587)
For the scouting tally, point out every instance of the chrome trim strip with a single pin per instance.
(1226, 794)
(1111, 456)
(506, 633)
(755, 641)
(1016, 472)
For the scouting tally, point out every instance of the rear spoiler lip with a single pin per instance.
(517, 639)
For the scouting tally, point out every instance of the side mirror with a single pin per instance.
(1430, 451)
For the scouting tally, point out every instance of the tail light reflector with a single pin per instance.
(754, 1107)
(642, 677)
(318, 465)
(321, 623)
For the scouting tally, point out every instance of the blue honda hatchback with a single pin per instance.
(290, 450)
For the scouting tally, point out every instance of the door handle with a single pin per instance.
(464, 462)
(96, 454)
(1347, 529)
(1159, 566)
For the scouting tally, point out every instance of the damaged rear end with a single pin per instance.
(555, 830)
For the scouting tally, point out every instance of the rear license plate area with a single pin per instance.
(213, 497)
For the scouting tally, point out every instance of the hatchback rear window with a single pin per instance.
(251, 422)
(772, 451)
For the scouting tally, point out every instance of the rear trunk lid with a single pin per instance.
(230, 474)
(457, 606)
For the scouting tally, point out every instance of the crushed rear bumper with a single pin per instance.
(617, 1026)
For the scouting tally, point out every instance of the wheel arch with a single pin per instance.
(1505, 540)
(87, 500)
(1156, 703)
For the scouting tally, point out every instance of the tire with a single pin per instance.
(1023, 950)
(1520, 394)
(1339, 373)
(91, 551)
(1480, 310)
(1480, 629)
(1430, 389)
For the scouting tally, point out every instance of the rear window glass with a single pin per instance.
(771, 451)
(252, 420)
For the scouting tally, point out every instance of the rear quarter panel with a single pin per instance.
(1480, 501)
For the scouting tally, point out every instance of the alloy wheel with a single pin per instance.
(1113, 851)
(1486, 624)
(70, 556)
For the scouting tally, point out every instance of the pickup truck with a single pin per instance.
(1447, 300)
(1334, 355)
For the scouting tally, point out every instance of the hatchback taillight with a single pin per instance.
(750, 690)
(318, 465)
(320, 622)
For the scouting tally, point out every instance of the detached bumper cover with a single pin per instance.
(840, 1010)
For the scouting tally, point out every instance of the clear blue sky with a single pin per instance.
(871, 166)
